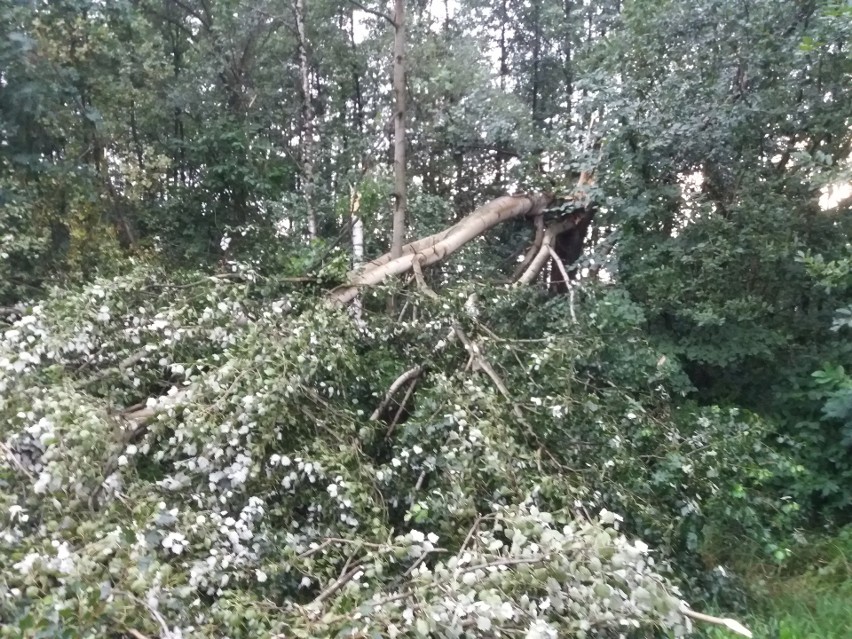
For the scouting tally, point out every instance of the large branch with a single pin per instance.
(435, 248)
(550, 234)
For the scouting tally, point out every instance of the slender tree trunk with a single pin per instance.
(399, 210)
(567, 65)
(307, 133)
(458, 197)
(179, 173)
(134, 133)
(504, 51)
(500, 159)
(357, 231)
(356, 78)
(537, 117)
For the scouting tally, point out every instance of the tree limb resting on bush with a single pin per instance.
(435, 248)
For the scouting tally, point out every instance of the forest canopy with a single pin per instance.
(339, 318)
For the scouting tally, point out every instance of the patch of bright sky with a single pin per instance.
(439, 11)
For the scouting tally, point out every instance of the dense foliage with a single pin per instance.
(195, 442)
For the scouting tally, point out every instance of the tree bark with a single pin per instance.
(307, 136)
(357, 233)
(399, 211)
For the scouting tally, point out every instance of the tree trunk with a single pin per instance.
(399, 210)
(307, 133)
(567, 64)
(357, 231)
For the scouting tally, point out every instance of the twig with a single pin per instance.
(402, 404)
(374, 12)
(337, 585)
(509, 561)
(165, 633)
(10, 456)
(313, 551)
(414, 566)
(340, 540)
(408, 375)
(420, 480)
(470, 533)
(402, 311)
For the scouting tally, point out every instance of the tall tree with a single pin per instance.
(307, 129)
(400, 186)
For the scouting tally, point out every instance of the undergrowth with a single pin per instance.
(809, 598)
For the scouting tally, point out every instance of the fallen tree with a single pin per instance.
(291, 460)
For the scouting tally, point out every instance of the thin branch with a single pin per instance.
(312, 551)
(565, 279)
(534, 249)
(419, 484)
(205, 22)
(571, 305)
(509, 561)
(421, 281)
(12, 459)
(402, 311)
(337, 585)
(405, 398)
(538, 262)
(408, 375)
(484, 365)
(374, 12)
(469, 536)
(731, 624)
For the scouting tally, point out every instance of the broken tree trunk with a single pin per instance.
(435, 248)
(569, 248)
